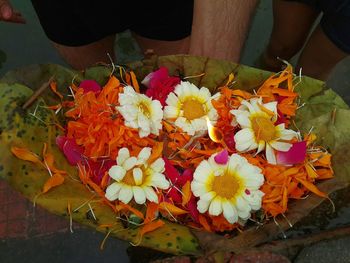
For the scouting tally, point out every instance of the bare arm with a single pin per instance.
(220, 27)
(7, 13)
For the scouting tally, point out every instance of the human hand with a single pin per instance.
(7, 14)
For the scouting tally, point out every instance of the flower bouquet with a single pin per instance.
(176, 152)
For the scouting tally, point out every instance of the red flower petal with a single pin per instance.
(192, 208)
(295, 155)
(170, 171)
(98, 168)
(229, 139)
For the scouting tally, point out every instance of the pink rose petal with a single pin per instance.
(70, 149)
(159, 84)
(90, 85)
(222, 157)
(295, 155)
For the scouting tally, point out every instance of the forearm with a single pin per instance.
(220, 27)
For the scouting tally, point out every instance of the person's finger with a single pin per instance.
(17, 18)
(6, 11)
(7, 14)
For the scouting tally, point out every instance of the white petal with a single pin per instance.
(204, 94)
(245, 215)
(128, 112)
(139, 195)
(242, 204)
(143, 155)
(150, 194)
(198, 188)
(137, 174)
(208, 196)
(171, 112)
(112, 191)
(199, 124)
(123, 154)
(233, 163)
(254, 199)
(144, 133)
(286, 134)
(212, 115)
(202, 171)
(202, 206)
(250, 107)
(281, 146)
(172, 100)
(125, 194)
(131, 124)
(117, 172)
(158, 165)
(253, 181)
(272, 106)
(182, 123)
(215, 207)
(230, 213)
(244, 135)
(158, 180)
(129, 90)
(261, 146)
(242, 117)
(156, 110)
(130, 163)
(270, 154)
(243, 146)
(143, 122)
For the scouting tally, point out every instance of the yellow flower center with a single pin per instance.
(226, 185)
(193, 109)
(129, 178)
(263, 128)
(145, 109)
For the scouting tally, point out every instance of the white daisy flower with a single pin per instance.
(190, 107)
(136, 178)
(140, 112)
(231, 189)
(259, 131)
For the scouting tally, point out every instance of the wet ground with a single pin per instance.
(28, 236)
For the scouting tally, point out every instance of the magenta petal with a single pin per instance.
(90, 85)
(295, 155)
(60, 140)
(70, 149)
(161, 73)
(221, 157)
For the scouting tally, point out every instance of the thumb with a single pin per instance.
(5, 10)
